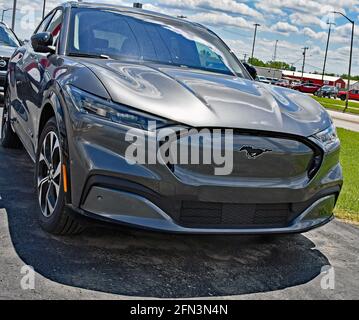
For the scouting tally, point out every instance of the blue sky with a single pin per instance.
(294, 23)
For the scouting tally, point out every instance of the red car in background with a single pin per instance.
(307, 87)
(353, 95)
(283, 83)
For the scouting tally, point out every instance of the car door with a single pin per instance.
(306, 88)
(27, 77)
(30, 85)
(354, 95)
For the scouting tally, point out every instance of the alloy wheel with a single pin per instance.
(49, 173)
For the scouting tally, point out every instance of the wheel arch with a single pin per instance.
(54, 106)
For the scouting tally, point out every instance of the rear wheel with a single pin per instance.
(9, 139)
(54, 217)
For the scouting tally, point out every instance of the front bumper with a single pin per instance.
(137, 211)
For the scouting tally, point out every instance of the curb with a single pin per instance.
(343, 116)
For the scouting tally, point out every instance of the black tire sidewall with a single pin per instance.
(6, 127)
(50, 223)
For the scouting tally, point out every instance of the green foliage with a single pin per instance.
(348, 203)
(269, 64)
(345, 76)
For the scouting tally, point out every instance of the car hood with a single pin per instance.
(6, 51)
(203, 99)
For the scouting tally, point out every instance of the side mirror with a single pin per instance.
(42, 42)
(251, 70)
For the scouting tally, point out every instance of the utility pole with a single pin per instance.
(13, 16)
(326, 49)
(350, 58)
(274, 57)
(275, 51)
(43, 9)
(2, 15)
(245, 57)
(256, 25)
(304, 53)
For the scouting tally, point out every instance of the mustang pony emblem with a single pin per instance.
(252, 152)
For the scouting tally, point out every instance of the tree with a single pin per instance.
(345, 76)
(256, 62)
(269, 64)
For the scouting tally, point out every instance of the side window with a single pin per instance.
(55, 25)
(209, 58)
(44, 23)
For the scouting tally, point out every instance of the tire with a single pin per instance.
(54, 217)
(342, 98)
(9, 139)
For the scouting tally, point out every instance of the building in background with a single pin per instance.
(354, 85)
(269, 72)
(314, 78)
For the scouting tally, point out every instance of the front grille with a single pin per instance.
(207, 215)
(3, 63)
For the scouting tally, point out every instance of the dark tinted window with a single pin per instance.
(143, 38)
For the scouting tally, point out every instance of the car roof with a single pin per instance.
(139, 11)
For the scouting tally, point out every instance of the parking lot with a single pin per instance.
(123, 263)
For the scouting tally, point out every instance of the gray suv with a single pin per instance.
(95, 76)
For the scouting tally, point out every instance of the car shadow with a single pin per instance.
(139, 263)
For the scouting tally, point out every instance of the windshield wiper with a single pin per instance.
(88, 55)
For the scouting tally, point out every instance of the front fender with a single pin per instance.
(53, 98)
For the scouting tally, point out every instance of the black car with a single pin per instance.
(327, 92)
(8, 43)
(97, 81)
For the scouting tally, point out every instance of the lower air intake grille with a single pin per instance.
(207, 215)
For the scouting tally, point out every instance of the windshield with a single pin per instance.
(140, 38)
(7, 38)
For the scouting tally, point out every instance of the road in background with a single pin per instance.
(345, 120)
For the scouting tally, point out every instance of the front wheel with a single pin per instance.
(342, 97)
(9, 139)
(53, 215)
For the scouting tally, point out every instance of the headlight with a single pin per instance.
(108, 110)
(327, 138)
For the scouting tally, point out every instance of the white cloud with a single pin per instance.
(221, 19)
(222, 5)
(284, 27)
(314, 35)
(301, 19)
